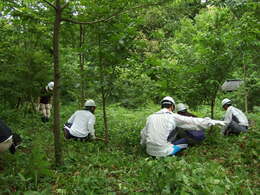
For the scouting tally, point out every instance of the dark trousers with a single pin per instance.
(69, 136)
(190, 137)
(235, 128)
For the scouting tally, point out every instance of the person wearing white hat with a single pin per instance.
(45, 100)
(182, 109)
(184, 136)
(160, 124)
(81, 124)
(236, 120)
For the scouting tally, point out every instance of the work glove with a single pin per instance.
(216, 122)
(219, 123)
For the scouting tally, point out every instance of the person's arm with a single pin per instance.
(91, 124)
(144, 133)
(143, 136)
(195, 123)
(227, 119)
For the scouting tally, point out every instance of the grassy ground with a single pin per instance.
(220, 165)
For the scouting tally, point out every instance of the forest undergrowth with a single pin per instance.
(220, 165)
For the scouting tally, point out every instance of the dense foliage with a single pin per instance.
(153, 49)
(218, 166)
(127, 55)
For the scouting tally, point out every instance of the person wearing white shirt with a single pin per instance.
(236, 121)
(81, 124)
(160, 124)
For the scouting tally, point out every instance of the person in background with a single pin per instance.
(45, 101)
(236, 120)
(183, 110)
(80, 125)
(8, 140)
(183, 136)
(160, 124)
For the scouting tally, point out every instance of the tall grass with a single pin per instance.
(220, 165)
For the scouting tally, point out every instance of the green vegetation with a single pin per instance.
(127, 55)
(220, 165)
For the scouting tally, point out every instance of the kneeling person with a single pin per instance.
(81, 124)
(8, 140)
(235, 119)
(160, 124)
(183, 136)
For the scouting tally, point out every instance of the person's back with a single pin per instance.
(237, 115)
(159, 125)
(45, 100)
(81, 120)
(81, 124)
(5, 132)
(235, 119)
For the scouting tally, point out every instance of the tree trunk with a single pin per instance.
(212, 106)
(104, 114)
(56, 92)
(81, 64)
(246, 92)
(102, 69)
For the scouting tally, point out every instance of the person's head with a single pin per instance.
(50, 86)
(168, 102)
(90, 105)
(226, 103)
(181, 108)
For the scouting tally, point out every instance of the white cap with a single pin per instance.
(180, 107)
(168, 100)
(225, 101)
(90, 103)
(50, 85)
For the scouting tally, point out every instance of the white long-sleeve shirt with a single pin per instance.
(232, 111)
(83, 122)
(160, 124)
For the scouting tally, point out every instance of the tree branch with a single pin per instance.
(114, 15)
(50, 4)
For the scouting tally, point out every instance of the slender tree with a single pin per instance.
(58, 8)
(81, 63)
